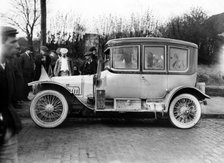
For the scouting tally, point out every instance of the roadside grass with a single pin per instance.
(213, 76)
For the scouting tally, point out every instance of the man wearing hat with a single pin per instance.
(89, 67)
(64, 65)
(10, 123)
(27, 64)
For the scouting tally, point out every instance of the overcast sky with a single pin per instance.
(161, 9)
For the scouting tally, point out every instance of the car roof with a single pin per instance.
(120, 41)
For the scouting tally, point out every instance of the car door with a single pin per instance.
(180, 72)
(124, 80)
(154, 71)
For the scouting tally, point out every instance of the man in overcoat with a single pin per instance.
(10, 122)
(27, 64)
(89, 66)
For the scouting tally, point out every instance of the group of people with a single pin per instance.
(17, 69)
(65, 66)
(56, 63)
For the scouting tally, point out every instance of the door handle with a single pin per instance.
(145, 80)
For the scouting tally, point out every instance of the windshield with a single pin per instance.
(125, 57)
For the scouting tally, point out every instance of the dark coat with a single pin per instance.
(19, 78)
(8, 83)
(37, 66)
(89, 68)
(27, 64)
(45, 61)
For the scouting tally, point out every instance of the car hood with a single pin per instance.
(81, 85)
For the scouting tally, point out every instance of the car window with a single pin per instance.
(125, 57)
(154, 58)
(178, 59)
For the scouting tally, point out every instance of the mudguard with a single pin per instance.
(53, 84)
(182, 89)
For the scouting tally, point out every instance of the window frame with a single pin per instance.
(123, 69)
(168, 58)
(165, 59)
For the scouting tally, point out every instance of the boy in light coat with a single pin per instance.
(64, 65)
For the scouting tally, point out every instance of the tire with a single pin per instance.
(185, 111)
(49, 109)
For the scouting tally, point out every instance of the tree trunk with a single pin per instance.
(43, 21)
(30, 42)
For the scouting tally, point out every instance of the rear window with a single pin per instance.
(125, 57)
(178, 59)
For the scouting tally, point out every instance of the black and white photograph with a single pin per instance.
(112, 81)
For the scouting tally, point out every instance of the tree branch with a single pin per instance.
(15, 23)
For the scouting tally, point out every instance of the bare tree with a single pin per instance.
(66, 30)
(24, 15)
(136, 25)
(65, 27)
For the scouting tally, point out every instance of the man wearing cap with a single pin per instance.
(58, 52)
(64, 65)
(89, 67)
(94, 55)
(27, 64)
(10, 122)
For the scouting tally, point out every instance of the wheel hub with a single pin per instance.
(184, 109)
(49, 108)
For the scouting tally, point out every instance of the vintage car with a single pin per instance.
(138, 76)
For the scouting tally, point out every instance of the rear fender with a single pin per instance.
(180, 90)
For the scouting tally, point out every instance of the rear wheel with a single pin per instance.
(185, 111)
(49, 108)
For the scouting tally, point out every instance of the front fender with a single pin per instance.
(182, 89)
(35, 84)
(60, 87)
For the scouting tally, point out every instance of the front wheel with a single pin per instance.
(185, 111)
(49, 109)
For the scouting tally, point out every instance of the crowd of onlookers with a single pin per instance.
(18, 67)
(28, 67)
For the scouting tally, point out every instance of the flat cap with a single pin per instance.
(28, 48)
(7, 30)
(87, 54)
(44, 48)
(92, 49)
(58, 50)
